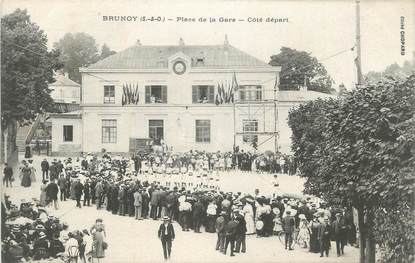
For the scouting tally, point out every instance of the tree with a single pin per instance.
(299, 67)
(393, 70)
(360, 150)
(77, 50)
(342, 90)
(26, 69)
(106, 52)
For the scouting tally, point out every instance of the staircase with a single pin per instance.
(21, 136)
(25, 134)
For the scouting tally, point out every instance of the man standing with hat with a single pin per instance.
(288, 225)
(220, 230)
(166, 235)
(339, 229)
(231, 228)
(324, 237)
(240, 232)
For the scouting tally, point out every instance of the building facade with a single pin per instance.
(191, 97)
(64, 90)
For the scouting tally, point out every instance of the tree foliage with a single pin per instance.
(393, 70)
(360, 150)
(80, 50)
(77, 50)
(106, 52)
(300, 66)
(26, 68)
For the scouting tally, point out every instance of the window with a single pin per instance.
(250, 92)
(156, 129)
(156, 94)
(109, 94)
(250, 126)
(109, 131)
(203, 131)
(203, 94)
(67, 133)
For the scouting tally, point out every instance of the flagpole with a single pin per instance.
(234, 112)
(358, 47)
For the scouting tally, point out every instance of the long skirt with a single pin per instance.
(314, 243)
(26, 181)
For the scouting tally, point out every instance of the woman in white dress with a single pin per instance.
(33, 173)
(248, 214)
(304, 232)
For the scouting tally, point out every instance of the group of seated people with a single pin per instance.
(33, 235)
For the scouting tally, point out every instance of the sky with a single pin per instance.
(324, 28)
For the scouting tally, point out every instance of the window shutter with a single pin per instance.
(195, 95)
(164, 94)
(211, 94)
(148, 94)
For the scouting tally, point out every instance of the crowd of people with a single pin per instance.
(186, 189)
(28, 233)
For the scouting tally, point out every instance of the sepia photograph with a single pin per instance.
(207, 131)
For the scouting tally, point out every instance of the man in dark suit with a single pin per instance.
(45, 169)
(339, 231)
(288, 225)
(78, 188)
(323, 236)
(154, 201)
(8, 174)
(230, 229)
(240, 232)
(166, 235)
(220, 230)
(197, 215)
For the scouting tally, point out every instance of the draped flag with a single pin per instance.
(226, 92)
(130, 94)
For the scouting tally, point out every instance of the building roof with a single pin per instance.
(67, 115)
(302, 95)
(61, 80)
(155, 57)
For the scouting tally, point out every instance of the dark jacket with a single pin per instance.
(155, 197)
(288, 224)
(323, 233)
(8, 171)
(339, 229)
(220, 224)
(170, 231)
(231, 228)
(44, 165)
(78, 188)
(198, 209)
(86, 190)
(52, 191)
(241, 228)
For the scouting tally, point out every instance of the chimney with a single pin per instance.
(226, 42)
(226, 48)
(181, 42)
(66, 75)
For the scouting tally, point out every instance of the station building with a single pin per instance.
(208, 97)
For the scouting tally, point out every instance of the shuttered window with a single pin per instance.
(203, 94)
(156, 94)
